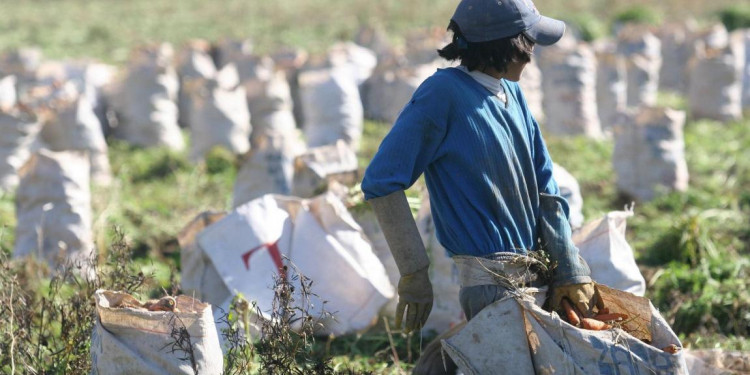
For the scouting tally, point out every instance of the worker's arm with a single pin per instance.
(571, 276)
(414, 287)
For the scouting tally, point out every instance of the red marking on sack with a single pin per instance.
(273, 250)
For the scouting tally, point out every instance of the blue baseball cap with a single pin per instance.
(485, 20)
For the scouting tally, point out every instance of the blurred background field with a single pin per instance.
(692, 247)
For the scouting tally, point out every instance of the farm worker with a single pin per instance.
(494, 201)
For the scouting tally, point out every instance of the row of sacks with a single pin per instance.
(580, 88)
(52, 115)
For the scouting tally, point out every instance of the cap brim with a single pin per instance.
(547, 31)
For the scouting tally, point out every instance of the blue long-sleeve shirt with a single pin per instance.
(485, 164)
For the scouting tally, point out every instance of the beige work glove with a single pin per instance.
(414, 300)
(584, 297)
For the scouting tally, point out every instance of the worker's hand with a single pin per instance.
(414, 299)
(583, 297)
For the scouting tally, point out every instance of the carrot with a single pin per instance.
(594, 325)
(612, 316)
(604, 310)
(572, 315)
(672, 349)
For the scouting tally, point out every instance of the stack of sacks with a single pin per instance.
(611, 87)
(675, 53)
(91, 79)
(269, 98)
(642, 52)
(146, 100)
(569, 86)
(391, 86)
(743, 37)
(331, 105)
(218, 115)
(194, 63)
(53, 209)
(269, 167)
(19, 128)
(70, 124)
(715, 88)
(531, 85)
(649, 152)
(571, 191)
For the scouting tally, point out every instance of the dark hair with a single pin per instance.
(495, 53)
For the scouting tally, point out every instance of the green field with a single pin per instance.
(693, 247)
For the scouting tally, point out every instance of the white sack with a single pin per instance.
(531, 85)
(269, 99)
(446, 309)
(219, 116)
(21, 62)
(331, 106)
(675, 53)
(715, 88)
(361, 60)
(744, 38)
(18, 133)
(268, 168)
(194, 63)
(198, 277)
(389, 88)
(642, 52)
(535, 341)
(75, 127)
(128, 340)
(649, 152)
(571, 191)
(53, 208)
(365, 217)
(603, 245)
(569, 86)
(611, 84)
(318, 236)
(317, 167)
(146, 102)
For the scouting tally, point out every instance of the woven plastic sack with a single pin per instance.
(390, 87)
(611, 84)
(319, 237)
(134, 340)
(74, 126)
(715, 88)
(649, 152)
(317, 167)
(446, 310)
(531, 85)
(675, 53)
(642, 52)
(602, 244)
(146, 100)
(198, 277)
(571, 191)
(331, 106)
(535, 341)
(268, 168)
(53, 208)
(18, 132)
(218, 115)
(194, 63)
(569, 86)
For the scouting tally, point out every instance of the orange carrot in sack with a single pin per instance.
(594, 325)
(612, 316)
(572, 315)
(604, 310)
(672, 349)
